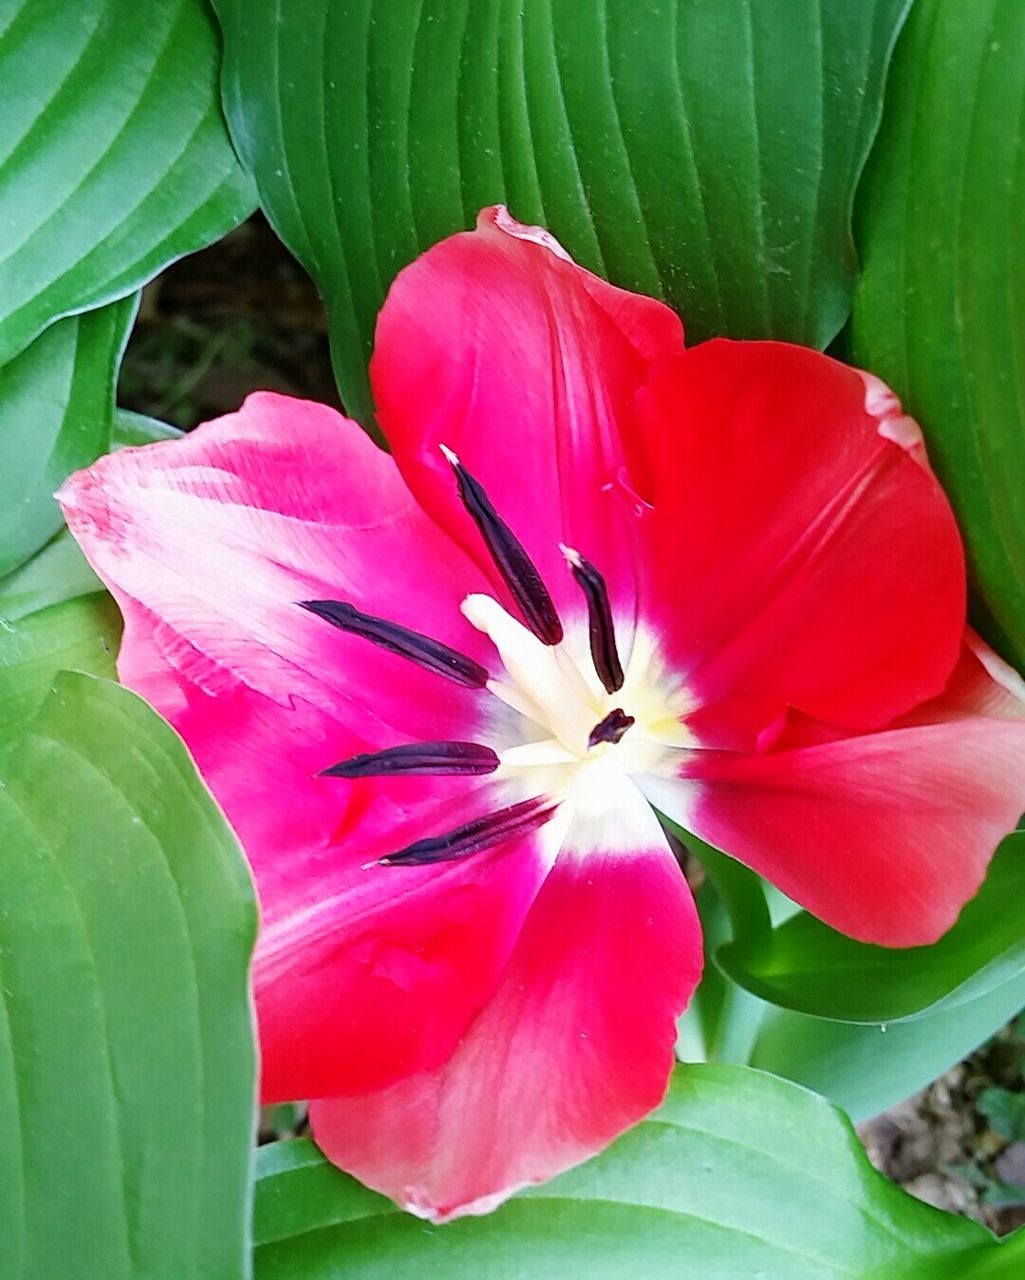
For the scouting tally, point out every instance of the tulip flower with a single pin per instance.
(445, 694)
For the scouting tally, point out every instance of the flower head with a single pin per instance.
(443, 695)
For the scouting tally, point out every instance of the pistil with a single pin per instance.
(563, 745)
(611, 729)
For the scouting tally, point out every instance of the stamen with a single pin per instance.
(612, 728)
(426, 758)
(604, 653)
(516, 567)
(418, 648)
(475, 836)
(532, 667)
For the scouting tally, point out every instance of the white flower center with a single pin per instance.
(549, 748)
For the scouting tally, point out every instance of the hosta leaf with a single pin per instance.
(806, 966)
(137, 429)
(738, 1174)
(866, 1069)
(126, 1061)
(114, 157)
(721, 1022)
(940, 311)
(78, 634)
(57, 572)
(700, 150)
(56, 408)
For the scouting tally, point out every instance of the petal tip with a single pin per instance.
(71, 492)
(499, 217)
(88, 505)
(65, 495)
(893, 423)
(415, 1201)
(1003, 676)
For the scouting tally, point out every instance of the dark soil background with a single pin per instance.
(960, 1143)
(243, 316)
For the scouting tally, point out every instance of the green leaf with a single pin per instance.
(79, 634)
(1003, 1263)
(114, 157)
(806, 966)
(739, 1174)
(1005, 1112)
(939, 312)
(722, 1020)
(126, 1058)
(131, 429)
(739, 889)
(705, 152)
(56, 408)
(57, 573)
(865, 1069)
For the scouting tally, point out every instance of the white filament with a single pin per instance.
(558, 707)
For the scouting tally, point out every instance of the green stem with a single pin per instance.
(741, 890)
(723, 1021)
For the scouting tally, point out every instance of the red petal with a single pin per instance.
(801, 554)
(495, 344)
(360, 975)
(379, 974)
(576, 1046)
(884, 837)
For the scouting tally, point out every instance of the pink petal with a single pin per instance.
(207, 543)
(576, 1046)
(218, 535)
(495, 344)
(800, 553)
(885, 837)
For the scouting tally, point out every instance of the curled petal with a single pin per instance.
(982, 684)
